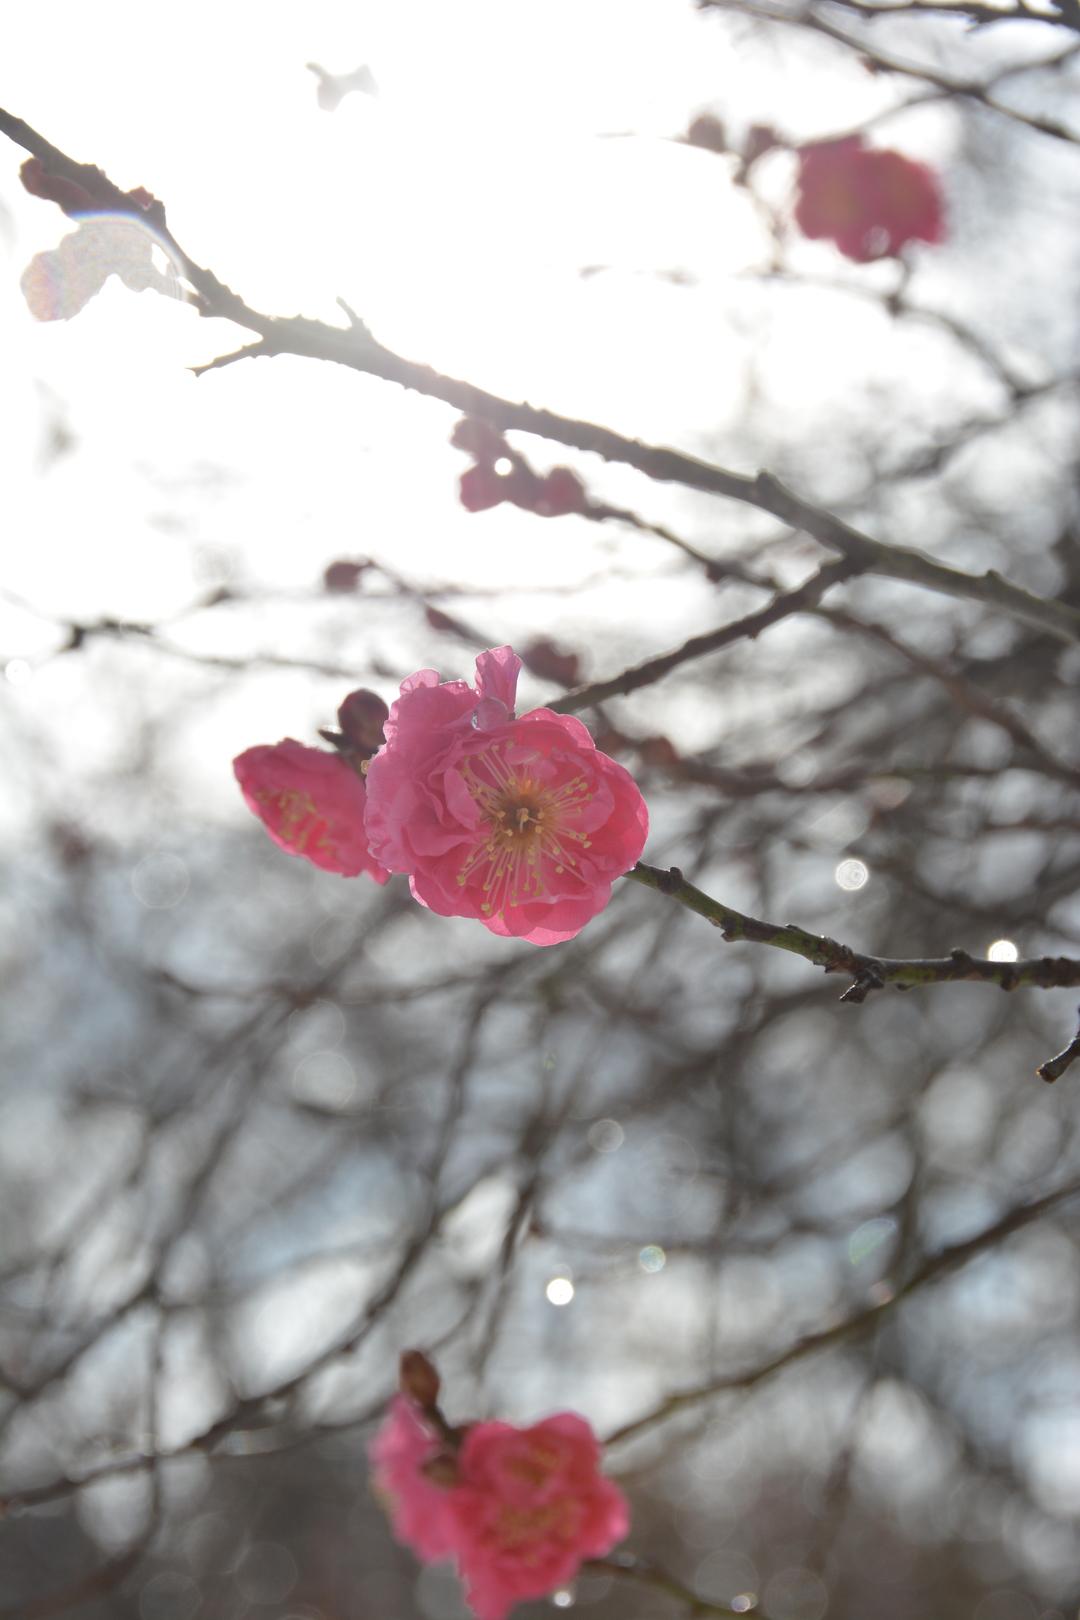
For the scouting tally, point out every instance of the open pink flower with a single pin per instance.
(520, 823)
(529, 1506)
(311, 803)
(871, 203)
(417, 1506)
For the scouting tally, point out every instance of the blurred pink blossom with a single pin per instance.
(520, 823)
(417, 1506)
(870, 202)
(311, 803)
(529, 1507)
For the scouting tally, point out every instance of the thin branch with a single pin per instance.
(805, 596)
(889, 62)
(867, 972)
(658, 1580)
(972, 11)
(936, 1267)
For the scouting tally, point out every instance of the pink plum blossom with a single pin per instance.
(418, 1507)
(529, 1506)
(311, 803)
(870, 202)
(521, 823)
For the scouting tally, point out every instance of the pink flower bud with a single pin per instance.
(479, 438)
(481, 487)
(419, 1379)
(561, 492)
(68, 194)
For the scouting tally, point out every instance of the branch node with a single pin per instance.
(669, 881)
(867, 980)
(353, 318)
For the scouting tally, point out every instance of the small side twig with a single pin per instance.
(1055, 1067)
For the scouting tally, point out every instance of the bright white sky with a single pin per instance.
(455, 213)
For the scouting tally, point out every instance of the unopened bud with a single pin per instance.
(760, 138)
(69, 194)
(707, 132)
(342, 577)
(658, 751)
(362, 717)
(479, 438)
(544, 658)
(560, 493)
(418, 1379)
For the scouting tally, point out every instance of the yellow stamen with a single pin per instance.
(525, 823)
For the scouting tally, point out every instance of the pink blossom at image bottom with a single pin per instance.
(870, 202)
(311, 803)
(522, 824)
(519, 1510)
(418, 1508)
(529, 1508)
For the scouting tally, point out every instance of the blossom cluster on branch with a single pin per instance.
(517, 821)
(517, 1510)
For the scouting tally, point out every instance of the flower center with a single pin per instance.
(526, 1531)
(526, 822)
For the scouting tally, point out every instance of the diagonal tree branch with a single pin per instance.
(805, 596)
(355, 347)
(867, 972)
(932, 1270)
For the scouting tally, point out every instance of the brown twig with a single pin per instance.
(805, 596)
(867, 973)
(982, 93)
(1055, 1067)
(938, 1265)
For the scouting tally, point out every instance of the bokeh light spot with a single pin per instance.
(559, 1291)
(1003, 950)
(606, 1136)
(852, 874)
(652, 1258)
(325, 1080)
(868, 1237)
